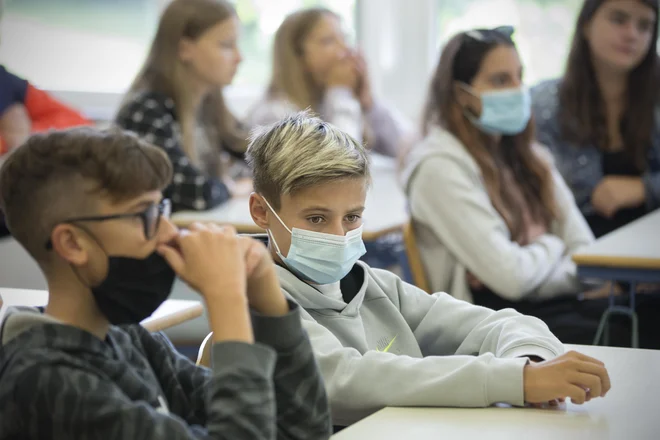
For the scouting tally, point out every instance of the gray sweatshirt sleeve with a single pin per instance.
(267, 390)
(472, 357)
(444, 325)
(75, 403)
(449, 197)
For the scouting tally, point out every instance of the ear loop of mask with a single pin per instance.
(270, 235)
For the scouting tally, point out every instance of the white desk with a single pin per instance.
(636, 246)
(630, 411)
(385, 210)
(169, 314)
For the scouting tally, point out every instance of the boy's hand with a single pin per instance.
(210, 259)
(573, 375)
(263, 287)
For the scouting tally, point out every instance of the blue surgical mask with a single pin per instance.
(504, 112)
(318, 257)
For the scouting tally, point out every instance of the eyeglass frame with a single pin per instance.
(164, 208)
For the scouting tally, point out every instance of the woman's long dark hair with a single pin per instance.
(461, 60)
(581, 104)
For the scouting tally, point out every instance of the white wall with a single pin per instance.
(398, 39)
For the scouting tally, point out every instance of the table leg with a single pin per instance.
(603, 326)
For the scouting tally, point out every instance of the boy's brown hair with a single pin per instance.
(62, 174)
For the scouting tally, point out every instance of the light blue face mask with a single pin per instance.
(318, 257)
(502, 111)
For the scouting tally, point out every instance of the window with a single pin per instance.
(99, 45)
(544, 28)
(78, 45)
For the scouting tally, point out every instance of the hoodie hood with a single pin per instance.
(18, 320)
(310, 298)
(438, 141)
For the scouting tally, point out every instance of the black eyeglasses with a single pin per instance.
(150, 218)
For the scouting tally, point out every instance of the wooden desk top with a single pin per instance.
(635, 246)
(629, 411)
(169, 314)
(385, 210)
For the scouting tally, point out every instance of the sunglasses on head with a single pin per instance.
(486, 34)
(150, 218)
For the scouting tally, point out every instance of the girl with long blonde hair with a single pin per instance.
(314, 68)
(176, 102)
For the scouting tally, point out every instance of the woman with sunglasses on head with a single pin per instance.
(601, 120)
(495, 222)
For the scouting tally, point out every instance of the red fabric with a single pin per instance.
(46, 112)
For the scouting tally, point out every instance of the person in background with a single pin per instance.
(495, 222)
(314, 68)
(87, 206)
(378, 340)
(25, 109)
(601, 119)
(176, 102)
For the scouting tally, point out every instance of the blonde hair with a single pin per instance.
(289, 79)
(164, 72)
(302, 151)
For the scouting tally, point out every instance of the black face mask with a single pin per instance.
(133, 288)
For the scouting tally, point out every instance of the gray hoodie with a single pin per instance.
(459, 230)
(395, 345)
(61, 382)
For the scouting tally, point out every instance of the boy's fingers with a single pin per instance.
(173, 257)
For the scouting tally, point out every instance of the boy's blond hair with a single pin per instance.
(302, 151)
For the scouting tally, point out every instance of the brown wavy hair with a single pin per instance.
(581, 105)
(460, 61)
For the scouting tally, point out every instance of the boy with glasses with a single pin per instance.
(87, 205)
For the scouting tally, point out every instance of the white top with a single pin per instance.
(330, 290)
(628, 412)
(458, 229)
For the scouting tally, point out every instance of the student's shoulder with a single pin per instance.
(387, 281)
(545, 98)
(270, 109)
(441, 155)
(145, 105)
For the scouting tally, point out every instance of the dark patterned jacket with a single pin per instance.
(152, 117)
(60, 382)
(582, 165)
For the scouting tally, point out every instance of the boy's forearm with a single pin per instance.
(229, 318)
(266, 296)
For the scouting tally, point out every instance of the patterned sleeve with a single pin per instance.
(73, 403)
(303, 411)
(151, 117)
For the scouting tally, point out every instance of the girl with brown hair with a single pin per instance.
(602, 118)
(314, 68)
(495, 222)
(176, 101)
